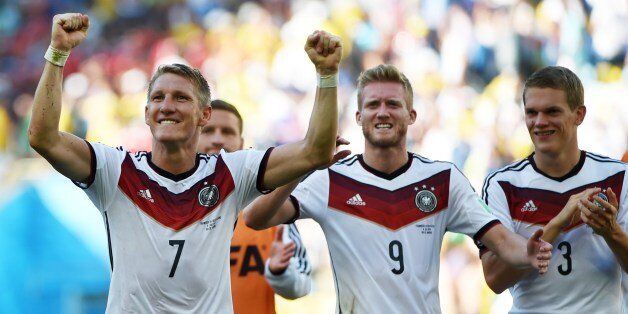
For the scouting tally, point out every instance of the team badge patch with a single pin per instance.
(209, 196)
(426, 201)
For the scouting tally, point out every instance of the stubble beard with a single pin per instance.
(389, 142)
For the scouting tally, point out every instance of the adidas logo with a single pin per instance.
(146, 195)
(529, 207)
(356, 200)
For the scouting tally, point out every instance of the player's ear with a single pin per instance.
(146, 114)
(206, 113)
(412, 116)
(358, 117)
(581, 112)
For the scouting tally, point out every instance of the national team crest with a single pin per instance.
(426, 201)
(209, 196)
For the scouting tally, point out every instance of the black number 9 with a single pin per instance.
(396, 257)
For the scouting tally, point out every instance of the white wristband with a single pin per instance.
(327, 81)
(56, 56)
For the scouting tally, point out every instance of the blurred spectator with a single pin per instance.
(466, 59)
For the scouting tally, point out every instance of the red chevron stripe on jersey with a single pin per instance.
(391, 209)
(175, 211)
(537, 206)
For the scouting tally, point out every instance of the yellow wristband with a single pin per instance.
(56, 56)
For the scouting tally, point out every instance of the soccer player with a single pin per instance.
(384, 213)
(556, 190)
(262, 262)
(170, 212)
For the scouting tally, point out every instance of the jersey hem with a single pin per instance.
(259, 184)
(478, 235)
(92, 169)
(297, 212)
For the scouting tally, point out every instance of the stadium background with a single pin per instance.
(466, 60)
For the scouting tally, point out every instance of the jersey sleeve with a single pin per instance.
(296, 280)
(495, 199)
(622, 197)
(468, 214)
(106, 165)
(247, 168)
(310, 196)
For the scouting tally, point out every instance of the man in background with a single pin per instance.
(262, 262)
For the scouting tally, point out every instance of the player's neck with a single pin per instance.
(175, 160)
(558, 165)
(386, 160)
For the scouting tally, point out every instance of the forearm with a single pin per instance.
(46, 112)
(513, 251)
(509, 247)
(272, 209)
(551, 231)
(618, 243)
(498, 274)
(320, 140)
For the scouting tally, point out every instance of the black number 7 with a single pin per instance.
(176, 258)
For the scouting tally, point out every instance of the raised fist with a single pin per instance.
(68, 30)
(325, 51)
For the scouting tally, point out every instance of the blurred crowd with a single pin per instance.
(466, 60)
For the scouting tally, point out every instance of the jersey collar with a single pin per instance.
(574, 171)
(169, 175)
(383, 175)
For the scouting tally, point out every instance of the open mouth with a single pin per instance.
(168, 121)
(544, 133)
(383, 126)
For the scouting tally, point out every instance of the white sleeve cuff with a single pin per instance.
(291, 284)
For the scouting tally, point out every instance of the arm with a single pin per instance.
(618, 242)
(512, 248)
(500, 275)
(568, 216)
(288, 162)
(67, 153)
(271, 209)
(508, 258)
(275, 208)
(288, 268)
(603, 220)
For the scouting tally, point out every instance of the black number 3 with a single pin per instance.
(396, 257)
(176, 258)
(567, 255)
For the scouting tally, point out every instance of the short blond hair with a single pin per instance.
(201, 88)
(384, 73)
(560, 78)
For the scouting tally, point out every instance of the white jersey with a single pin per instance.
(385, 231)
(584, 275)
(169, 235)
(624, 286)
